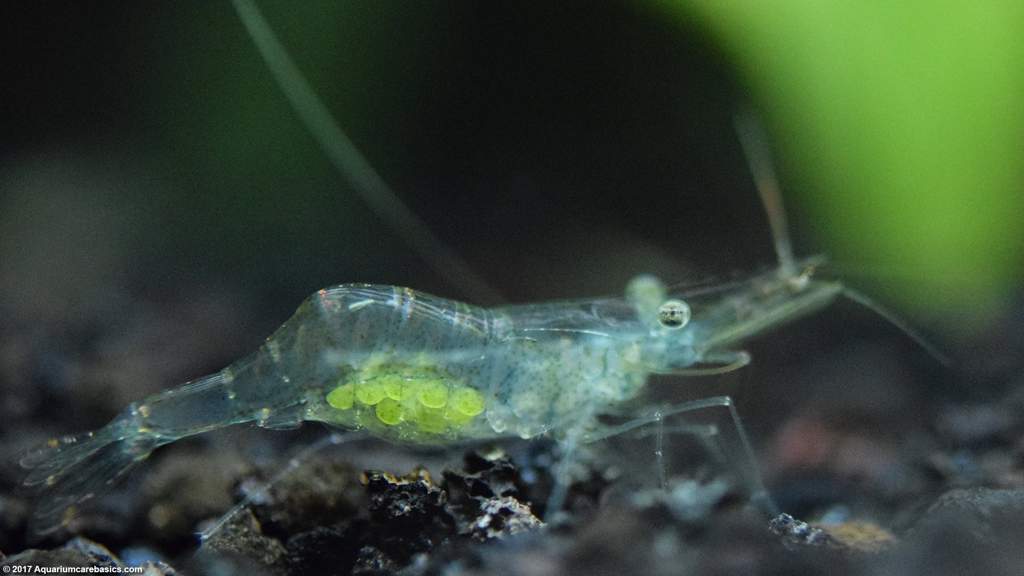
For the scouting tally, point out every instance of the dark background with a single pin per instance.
(561, 150)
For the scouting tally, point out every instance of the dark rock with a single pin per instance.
(485, 497)
(412, 498)
(81, 552)
(320, 492)
(208, 563)
(99, 553)
(503, 516)
(49, 558)
(978, 512)
(410, 511)
(242, 535)
(797, 532)
(486, 475)
(325, 550)
(184, 487)
(372, 561)
(13, 522)
(966, 531)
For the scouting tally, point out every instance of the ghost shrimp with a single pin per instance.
(418, 369)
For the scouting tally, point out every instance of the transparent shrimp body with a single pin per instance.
(420, 369)
(416, 368)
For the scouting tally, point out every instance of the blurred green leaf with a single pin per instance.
(899, 125)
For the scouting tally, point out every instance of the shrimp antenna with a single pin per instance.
(753, 140)
(896, 321)
(350, 163)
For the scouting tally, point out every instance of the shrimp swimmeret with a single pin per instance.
(417, 369)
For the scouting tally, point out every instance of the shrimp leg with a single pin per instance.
(560, 490)
(752, 473)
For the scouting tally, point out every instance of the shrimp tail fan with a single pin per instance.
(66, 472)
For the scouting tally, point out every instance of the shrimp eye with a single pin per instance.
(674, 314)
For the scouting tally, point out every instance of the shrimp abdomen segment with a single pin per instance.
(366, 318)
(402, 364)
(270, 387)
(206, 404)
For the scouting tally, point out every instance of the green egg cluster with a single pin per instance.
(422, 397)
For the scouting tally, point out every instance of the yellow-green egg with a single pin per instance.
(456, 418)
(467, 401)
(415, 392)
(389, 412)
(341, 397)
(393, 386)
(370, 392)
(433, 393)
(431, 420)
